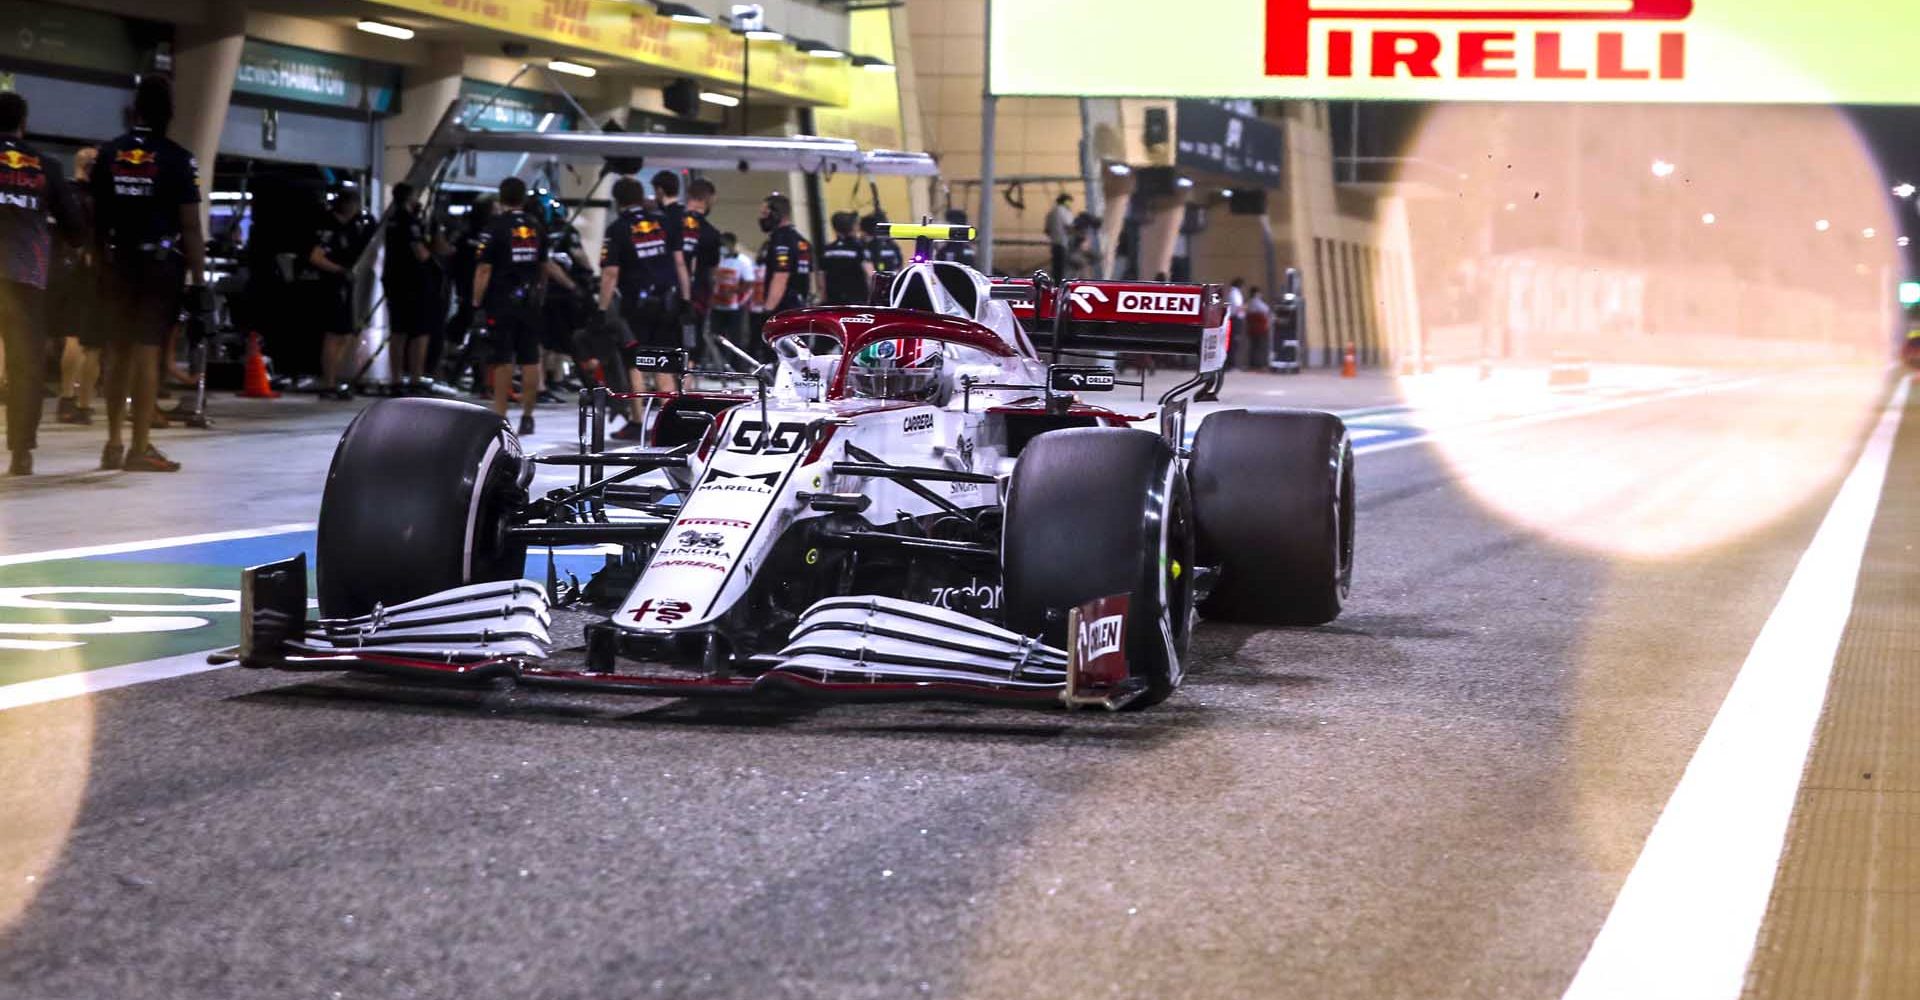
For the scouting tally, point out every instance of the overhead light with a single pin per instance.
(818, 50)
(1119, 169)
(682, 13)
(747, 17)
(1902, 241)
(1910, 293)
(1662, 168)
(1226, 193)
(764, 35)
(1185, 182)
(570, 68)
(1709, 219)
(1821, 225)
(724, 100)
(873, 64)
(383, 28)
(1868, 233)
(1904, 190)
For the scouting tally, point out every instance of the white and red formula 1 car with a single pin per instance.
(914, 500)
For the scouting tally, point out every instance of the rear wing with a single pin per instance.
(1126, 317)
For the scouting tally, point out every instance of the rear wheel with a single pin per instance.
(1093, 512)
(417, 501)
(1273, 490)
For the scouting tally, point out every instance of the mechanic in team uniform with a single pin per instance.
(673, 217)
(883, 251)
(509, 281)
(786, 267)
(341, 234)
(700, 246)
(957, 251)
(637, 261)
(846, 275)
(32, 189)
(411, 278)
(146, 195)
(462, 261)
(569, 301)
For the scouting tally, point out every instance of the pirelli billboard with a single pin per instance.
(1707, 51)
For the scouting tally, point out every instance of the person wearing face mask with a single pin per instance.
(786, 266)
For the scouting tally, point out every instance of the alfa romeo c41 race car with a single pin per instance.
(915, 500)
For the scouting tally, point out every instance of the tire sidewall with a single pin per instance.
(417, 495)
(1147, 521)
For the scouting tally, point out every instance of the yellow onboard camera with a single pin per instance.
(927, 231)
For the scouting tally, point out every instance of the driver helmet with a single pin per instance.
(907, 368)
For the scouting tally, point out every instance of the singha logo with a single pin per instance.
(701, 539)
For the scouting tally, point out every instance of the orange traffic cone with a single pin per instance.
(254, 383)
(1348, 367)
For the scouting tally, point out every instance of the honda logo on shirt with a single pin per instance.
(1605, 40)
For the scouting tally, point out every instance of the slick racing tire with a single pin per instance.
(417, 501)
(1273, 494)
(1097, 511)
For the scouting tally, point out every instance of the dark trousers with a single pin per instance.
(23, 322)
(1059, 262)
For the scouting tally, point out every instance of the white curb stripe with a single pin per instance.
(1686, 921)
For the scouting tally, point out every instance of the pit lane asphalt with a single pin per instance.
(1437, 796)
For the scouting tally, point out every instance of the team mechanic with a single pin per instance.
(846, 275)
(29, 193)
(411, 278)
(509, 289)
(883, 251)
(635, 261)
(700, 247)
(146, 193)
(786, 267)
(673, 220)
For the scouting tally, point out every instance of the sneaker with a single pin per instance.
(526, 424)
(82, 415)
(22, 464)
(631, 432)
(64, 412)
(113, 456)
(150, 461)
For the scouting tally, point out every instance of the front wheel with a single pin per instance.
(1274, 493)
(1097, 511)
(417, 501)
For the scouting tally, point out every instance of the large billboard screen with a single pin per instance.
(1708, 51)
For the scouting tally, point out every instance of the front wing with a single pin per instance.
(855, 648)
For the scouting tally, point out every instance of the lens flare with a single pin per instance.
(48, 751)
(1555, 272)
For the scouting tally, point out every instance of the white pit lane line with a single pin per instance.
(116, 548)
(1688, 916)
(45, 689)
